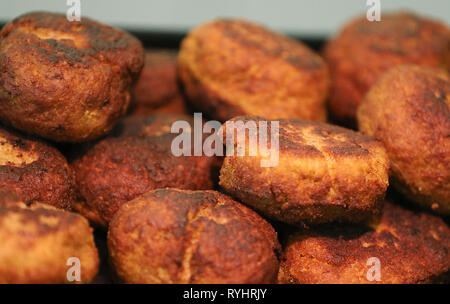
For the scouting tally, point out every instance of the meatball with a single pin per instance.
(410, 248)
(65, 81)
(233, 67)
(324, 173)
(39, 244)
(408, 109)
(156, 90)
(364, 50)
(35, 171)
(135, 159)
(181, 236)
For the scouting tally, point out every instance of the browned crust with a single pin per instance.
(48, 179)
(179, 236)
(139, 159)
(408, 109)
(149, 125)
(8, 196)
(411, 247)
(158, 81)
(37, 241)
(173, 105)
(91, 214)
(364, 50)
(65, 81)
(233, 67)
(156, 90)
(324, 173)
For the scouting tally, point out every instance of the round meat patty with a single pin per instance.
(408, 247)
(408, 109)
(323, 173)
(180, 236)
(364, 50)
(135, 159)
(35, 171)
(65, 81)
(41, 244)
(233, 67)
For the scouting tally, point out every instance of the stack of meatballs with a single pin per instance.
(86, 141)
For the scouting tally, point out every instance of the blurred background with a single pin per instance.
(299, 18)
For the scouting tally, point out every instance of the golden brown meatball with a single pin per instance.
(408, 109)
(363, 50)
(234, 67)
(156, 90)
(324, 173)
(37, 243)
(138, 159)
(410, 247)
(35, 171)
(180, 236)
(65, 81)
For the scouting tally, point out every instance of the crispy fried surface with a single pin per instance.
(180, 236)
(8, 196)
(139, 159)
(364, 50)
(411, 247)
(93, 215)
(408, 109)
(174, 105)
(150, 125)
(37, 241)
(324, 173)
(156, 90)
(157, 85)
(35, 171)
(65, 81)
(233, 67)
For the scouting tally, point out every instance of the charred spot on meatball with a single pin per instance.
(65, 81)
